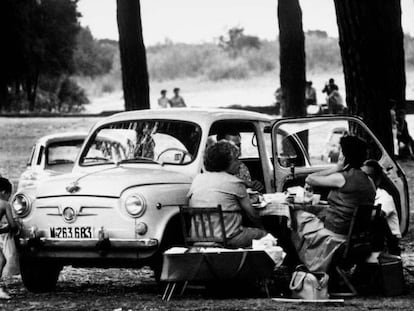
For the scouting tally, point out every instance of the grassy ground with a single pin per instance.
(126, 289)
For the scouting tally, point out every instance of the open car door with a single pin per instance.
(304, 145)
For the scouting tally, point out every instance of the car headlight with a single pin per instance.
(21, 205)
(135, 205)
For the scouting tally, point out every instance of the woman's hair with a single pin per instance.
(354, 150)
(218, 157)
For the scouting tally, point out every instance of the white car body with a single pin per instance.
(51, 155)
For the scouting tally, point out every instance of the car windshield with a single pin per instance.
(143, 141)
(62, 152)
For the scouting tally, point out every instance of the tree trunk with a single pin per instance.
(133, 57)
(292, 57)
(371, 41)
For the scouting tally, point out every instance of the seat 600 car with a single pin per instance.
(119, 205)
(51, 155)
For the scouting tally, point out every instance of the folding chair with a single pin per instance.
(204, 227)
(358, 245)
(198, 225)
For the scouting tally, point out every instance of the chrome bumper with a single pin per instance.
(99, 244)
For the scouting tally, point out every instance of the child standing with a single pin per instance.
(5, 210)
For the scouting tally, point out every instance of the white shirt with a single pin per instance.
(388, 207)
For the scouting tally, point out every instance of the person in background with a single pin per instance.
(177, 101)
(330, 87)
(5, 210)
(279, 97)
(310, 94)
(242, 171)
(315, 241)
(218, 185)
(163, 101)
(374, 170)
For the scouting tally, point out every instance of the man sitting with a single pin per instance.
(374, 170)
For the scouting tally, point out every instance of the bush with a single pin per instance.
(228, 69)
(71, 97)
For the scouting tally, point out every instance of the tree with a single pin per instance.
(371, 41)
(40, 38)
(292, 57)
(238, 41)
(93, 57)
(133, 56)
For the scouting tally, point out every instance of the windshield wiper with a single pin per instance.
(139, 160)
(96, 159)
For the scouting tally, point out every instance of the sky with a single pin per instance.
(198, 21)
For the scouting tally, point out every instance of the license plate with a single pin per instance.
(71, 232)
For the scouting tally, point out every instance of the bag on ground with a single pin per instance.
(308, 285)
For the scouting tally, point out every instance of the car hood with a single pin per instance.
(109, 182)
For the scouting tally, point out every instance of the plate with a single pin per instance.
(71, 232)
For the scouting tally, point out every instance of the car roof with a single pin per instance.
(64, 136)
(196, 115)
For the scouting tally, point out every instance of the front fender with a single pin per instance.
(162, 203)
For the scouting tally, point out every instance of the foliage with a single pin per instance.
(93, 57)
(322, 52)
(409, 50)
(41, 38)
(71, 96)
(237, 41)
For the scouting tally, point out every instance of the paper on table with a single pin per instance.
(277, 197)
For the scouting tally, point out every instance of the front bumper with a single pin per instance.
(89, 243)
(87, 248)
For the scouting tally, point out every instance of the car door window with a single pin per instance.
(319, 140)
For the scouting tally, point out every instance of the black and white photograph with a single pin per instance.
(206, 155)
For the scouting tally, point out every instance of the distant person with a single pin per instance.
(335, 102)
(5, 210)
(163, 101)
(330, 87)
(394, 126)
(310, 94)
(279, 97)
(405, 141)
(177, 101)
(374, 170)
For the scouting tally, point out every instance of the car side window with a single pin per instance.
(319, 141)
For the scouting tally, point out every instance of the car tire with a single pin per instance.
(39, 276)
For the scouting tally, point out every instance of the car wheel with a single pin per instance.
(39, 275)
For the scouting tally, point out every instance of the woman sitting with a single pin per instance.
(317, 241)
(219, 186)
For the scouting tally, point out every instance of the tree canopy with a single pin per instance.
(41, 39)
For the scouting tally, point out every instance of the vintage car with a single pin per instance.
(119, 206)
(51, 155)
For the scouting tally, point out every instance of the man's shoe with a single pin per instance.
(3, 294)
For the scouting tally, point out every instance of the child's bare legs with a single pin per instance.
(3, 294)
